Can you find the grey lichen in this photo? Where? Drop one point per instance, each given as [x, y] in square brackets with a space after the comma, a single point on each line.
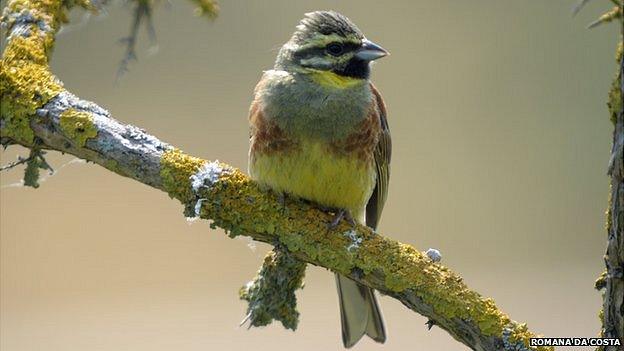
[512, 345]
[434, 255]
[207, 175]
[354, 239]
[271, 294]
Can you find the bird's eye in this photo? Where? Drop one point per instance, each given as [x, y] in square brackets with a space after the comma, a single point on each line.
[335, 49]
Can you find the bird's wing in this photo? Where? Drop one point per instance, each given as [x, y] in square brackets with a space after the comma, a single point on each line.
[383, 153]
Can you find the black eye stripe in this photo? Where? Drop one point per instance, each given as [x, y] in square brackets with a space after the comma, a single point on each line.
[321, 50]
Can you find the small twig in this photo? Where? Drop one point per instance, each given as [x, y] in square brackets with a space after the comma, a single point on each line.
[579, 6]
[143, 14]
[20, 160]
[614, 13]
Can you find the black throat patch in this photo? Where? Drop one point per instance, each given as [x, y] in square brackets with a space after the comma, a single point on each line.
[355, 68]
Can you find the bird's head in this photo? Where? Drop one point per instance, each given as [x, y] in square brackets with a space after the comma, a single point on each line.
[329, 46]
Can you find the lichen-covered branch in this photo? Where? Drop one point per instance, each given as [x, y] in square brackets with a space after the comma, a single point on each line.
[38, 112]
[612, 281]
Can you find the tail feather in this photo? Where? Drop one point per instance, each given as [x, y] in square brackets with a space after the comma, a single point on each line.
[375, 328]
[359, 312]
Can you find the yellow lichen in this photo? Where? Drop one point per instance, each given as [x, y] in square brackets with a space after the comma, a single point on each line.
[176, 168]
[78, 126]
[614, 101]
[601, 281]
[24, 88]
[26, 48]
[25, 81]
[520, 334]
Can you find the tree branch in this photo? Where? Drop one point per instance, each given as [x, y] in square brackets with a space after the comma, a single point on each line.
[271, 295]
[37, 110]
[613, 278]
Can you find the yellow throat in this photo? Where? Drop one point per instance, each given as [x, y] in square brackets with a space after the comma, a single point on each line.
[333, 80]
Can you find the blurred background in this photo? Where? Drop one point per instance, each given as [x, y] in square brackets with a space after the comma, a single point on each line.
[501, 141]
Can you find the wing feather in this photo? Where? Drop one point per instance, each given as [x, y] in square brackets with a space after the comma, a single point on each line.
[383, 153]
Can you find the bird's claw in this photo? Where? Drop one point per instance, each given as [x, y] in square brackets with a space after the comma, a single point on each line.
[340, 214]
[281, 199]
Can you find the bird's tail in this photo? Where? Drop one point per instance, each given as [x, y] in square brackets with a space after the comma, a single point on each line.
[359, 312]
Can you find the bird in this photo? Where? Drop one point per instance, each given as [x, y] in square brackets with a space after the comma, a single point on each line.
[319, 132]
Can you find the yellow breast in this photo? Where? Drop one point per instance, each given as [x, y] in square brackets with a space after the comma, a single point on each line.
[315, 173]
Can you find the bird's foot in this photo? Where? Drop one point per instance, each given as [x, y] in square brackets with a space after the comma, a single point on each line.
[281, 200]
[340, 215]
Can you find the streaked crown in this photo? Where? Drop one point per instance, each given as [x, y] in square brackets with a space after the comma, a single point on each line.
[325, 23]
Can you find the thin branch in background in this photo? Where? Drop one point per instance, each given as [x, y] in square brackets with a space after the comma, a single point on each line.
[20, 160]
[34, 162]
[142, 12]
[579, 6]
[46, 177]
[614, 13]
[149, 23]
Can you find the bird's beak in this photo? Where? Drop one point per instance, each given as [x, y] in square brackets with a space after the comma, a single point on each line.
[370, 51]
